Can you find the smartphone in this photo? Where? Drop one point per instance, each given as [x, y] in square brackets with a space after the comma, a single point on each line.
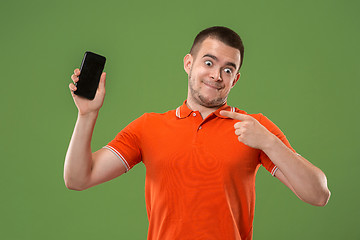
[91, 69]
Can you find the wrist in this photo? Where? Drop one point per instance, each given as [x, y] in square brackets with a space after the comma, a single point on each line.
[270, 143]
[92, 114]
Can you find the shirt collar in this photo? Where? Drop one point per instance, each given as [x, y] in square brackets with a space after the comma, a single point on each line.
[184, 111]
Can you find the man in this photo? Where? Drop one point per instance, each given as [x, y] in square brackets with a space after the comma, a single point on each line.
[201, 159]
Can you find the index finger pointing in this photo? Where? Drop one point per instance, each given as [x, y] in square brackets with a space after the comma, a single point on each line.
[233, 115]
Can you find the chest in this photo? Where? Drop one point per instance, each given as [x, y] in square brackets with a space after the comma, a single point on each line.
[197, 147]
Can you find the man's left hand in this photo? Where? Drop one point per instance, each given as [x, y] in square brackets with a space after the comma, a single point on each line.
[249, 130]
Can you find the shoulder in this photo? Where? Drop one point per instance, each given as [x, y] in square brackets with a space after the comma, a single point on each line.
[148, 121]
[153, 117]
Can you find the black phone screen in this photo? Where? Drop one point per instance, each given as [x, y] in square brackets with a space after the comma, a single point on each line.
[91, 69]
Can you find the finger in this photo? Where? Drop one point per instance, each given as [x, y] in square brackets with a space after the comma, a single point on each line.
[74, 78]
[238, 132]
[72, 87]
[77, 72]
[238, 125]
[234, 115]
[102, 81]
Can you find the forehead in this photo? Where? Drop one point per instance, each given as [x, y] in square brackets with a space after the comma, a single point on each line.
[220, 50]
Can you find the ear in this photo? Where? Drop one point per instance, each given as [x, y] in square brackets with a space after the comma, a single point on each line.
[237, 76]
[188, 60]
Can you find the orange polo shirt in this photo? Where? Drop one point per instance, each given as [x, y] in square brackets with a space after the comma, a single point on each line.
[200, 180]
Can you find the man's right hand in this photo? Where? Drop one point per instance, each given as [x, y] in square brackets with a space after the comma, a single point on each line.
[82, 168]
[86, 106]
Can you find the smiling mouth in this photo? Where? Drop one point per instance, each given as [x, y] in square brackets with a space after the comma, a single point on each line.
[214, 86]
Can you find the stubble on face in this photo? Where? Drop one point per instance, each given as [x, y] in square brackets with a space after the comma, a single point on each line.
[202, 100]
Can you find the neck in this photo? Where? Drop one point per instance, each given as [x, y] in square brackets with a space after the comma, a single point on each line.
[204, 111]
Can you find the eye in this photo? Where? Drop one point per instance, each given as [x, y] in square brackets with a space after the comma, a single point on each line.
[228, 70]
[208, 62]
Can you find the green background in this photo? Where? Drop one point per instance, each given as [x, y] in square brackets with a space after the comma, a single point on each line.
[301, 69]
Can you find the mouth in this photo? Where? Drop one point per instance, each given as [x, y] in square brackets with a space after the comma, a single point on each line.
[212, 85]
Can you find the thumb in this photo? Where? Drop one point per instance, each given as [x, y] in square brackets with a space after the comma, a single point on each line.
[102, 81]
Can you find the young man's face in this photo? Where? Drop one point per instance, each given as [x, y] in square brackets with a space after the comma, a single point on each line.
[212, 72]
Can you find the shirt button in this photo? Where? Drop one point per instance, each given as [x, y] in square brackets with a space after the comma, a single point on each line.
[194, 114]
[200, 127]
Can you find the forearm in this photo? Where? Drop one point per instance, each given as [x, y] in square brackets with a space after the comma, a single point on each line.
[78, 160]
[308, 181]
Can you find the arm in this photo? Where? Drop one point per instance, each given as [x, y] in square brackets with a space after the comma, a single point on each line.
[84, 169]
[304, 179]
[308, 182]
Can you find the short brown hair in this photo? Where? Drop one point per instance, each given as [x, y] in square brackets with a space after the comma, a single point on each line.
[223, 34]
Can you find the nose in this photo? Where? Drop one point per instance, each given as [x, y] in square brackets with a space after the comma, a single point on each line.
[216, 74]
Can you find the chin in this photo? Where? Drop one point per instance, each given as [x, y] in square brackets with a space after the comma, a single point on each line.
[211, 102]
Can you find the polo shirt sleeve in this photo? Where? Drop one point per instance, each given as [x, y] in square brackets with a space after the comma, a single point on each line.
[264, 159]
[127, 144]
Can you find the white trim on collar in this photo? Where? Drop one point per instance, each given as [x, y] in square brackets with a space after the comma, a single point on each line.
[177, 113]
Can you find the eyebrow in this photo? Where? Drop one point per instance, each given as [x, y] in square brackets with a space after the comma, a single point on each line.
[216, 59]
